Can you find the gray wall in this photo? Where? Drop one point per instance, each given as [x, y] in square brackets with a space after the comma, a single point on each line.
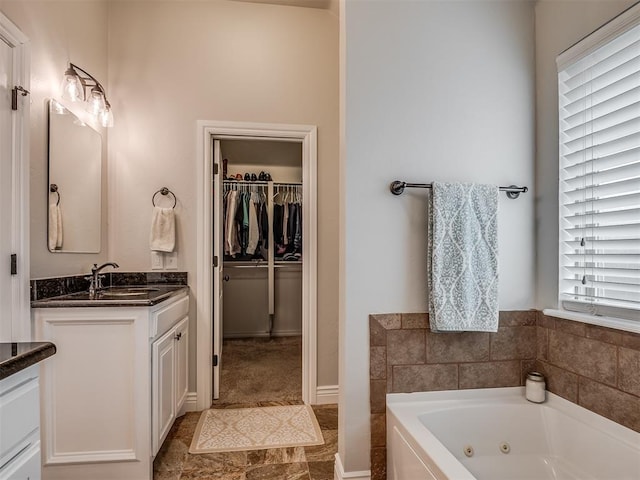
[433, 91]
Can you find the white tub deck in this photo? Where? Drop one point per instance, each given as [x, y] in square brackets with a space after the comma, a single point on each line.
[511, 438]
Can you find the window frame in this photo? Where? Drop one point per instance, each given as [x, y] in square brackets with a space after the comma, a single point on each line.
[629, 319]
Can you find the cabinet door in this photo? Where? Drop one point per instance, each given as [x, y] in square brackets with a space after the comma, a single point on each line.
[25, 466]
[163, 412]
[182, 361]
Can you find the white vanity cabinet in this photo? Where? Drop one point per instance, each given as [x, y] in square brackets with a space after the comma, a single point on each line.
[19, 426]
[110, 394]
[169, 357]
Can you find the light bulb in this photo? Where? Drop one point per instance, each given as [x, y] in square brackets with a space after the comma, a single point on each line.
[72, 89]
[96, 102]
[106, 117]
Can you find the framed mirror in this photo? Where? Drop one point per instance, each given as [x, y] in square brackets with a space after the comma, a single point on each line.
[75, 183]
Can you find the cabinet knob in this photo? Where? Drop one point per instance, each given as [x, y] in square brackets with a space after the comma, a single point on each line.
[178, 336]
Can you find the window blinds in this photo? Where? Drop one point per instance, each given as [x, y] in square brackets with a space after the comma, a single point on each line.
[599, 108]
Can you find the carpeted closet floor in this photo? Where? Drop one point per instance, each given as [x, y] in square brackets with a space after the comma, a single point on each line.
[255, 372]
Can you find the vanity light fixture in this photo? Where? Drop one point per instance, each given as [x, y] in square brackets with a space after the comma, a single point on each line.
[75, 85]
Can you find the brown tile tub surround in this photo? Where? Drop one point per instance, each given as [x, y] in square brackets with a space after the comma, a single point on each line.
[598, 368]
[406, 357]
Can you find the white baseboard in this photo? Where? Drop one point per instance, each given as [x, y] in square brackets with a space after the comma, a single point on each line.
[190, 403]
[327, 394]
[340, 474]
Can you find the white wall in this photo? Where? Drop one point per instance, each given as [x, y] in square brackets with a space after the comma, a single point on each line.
[434, 90]
[559, 24]
[170, 64]
[59, 32]
[173, 63]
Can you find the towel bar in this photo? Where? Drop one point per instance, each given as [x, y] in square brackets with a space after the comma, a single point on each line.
[397, 188]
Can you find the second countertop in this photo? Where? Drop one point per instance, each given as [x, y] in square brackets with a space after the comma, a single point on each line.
[16, 356]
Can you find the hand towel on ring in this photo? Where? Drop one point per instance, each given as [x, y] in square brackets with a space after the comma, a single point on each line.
[163, 230]
[55, 227]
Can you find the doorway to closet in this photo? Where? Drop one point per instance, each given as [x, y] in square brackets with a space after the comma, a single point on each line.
[257, 263]
[262, 271]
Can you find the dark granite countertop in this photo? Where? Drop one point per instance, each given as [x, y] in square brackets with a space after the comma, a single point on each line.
[15, 357]
[120, 296]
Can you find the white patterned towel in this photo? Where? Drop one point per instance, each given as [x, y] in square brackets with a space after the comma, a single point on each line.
[463, 257]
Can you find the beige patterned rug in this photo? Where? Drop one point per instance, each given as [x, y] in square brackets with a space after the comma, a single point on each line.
[234, 429]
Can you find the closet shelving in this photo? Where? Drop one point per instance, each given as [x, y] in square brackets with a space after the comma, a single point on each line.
[274, 193]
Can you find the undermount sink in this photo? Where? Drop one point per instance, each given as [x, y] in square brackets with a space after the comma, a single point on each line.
[119, 294]
[126, 292]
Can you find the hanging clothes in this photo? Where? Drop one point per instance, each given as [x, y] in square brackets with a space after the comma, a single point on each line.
[285, 225]
[291, 224]
[297, 232]
[287, 222]
[278, 215]
[244, 240]
[264, 225]
[245, 221]
[231, 244]
[253, 230]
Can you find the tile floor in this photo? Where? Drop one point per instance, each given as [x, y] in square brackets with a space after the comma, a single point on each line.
[174, 462]
[261, 369]
[271, 375]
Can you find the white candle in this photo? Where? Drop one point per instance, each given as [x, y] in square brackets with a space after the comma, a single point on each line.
[535, 387]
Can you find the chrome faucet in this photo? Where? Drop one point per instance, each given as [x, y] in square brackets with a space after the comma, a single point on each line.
[96, 279]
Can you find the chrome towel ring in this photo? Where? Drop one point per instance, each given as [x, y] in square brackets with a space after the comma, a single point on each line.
[164, 191]
[53, 188]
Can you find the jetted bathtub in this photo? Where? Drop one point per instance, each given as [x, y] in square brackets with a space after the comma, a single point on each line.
[496, 434]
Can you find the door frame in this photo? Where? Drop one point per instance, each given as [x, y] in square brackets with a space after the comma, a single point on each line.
[20, 327]
[207, 131]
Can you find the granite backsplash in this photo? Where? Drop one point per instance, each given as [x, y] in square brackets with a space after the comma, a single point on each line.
[56, 286]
